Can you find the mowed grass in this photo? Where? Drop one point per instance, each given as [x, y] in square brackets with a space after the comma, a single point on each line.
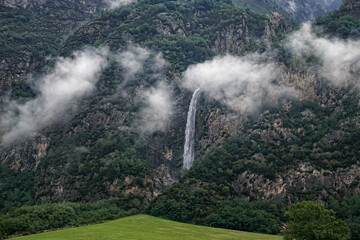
[147, 227]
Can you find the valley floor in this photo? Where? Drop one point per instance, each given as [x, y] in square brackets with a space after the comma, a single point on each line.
[147, 227]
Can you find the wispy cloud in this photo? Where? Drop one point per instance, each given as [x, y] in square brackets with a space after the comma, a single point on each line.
[339, 59]
[118, 3]
[143, 65]
[136, 60]
[71, 79]
[242, 83]
[155, 116]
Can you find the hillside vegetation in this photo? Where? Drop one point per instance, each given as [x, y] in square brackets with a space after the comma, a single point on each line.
[93, 162]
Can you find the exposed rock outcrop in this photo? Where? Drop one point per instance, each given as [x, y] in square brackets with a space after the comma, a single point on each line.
[302, 179]
[84, 6]
[25, 156]
[305, 10]
[352, 7]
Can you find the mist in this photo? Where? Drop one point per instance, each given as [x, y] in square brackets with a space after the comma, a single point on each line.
[136, 60]
[132, 60]
[242, 83]
[70, 79]
[155, 116]
[146, 68]
[339, 59]
[112, 4]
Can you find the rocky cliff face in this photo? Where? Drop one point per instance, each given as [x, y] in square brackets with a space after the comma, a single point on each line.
[86, 6]
[352, 7]
[145, 188]
[50, 22]
[27, 155]
[309, 9]
[299, 181]
[235, 38]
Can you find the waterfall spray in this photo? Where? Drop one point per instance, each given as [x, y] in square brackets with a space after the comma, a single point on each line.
[189, 147]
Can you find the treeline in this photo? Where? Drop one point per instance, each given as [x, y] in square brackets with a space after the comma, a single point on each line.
[33, 219]
[340, 23]
[203, 206]
[16, 189]
[198, 206]
[349, 210]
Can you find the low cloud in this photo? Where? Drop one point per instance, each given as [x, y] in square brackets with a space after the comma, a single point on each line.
[132, 60]
[112, 4]
[71, 79]
[137, 60]
[155, 116]
[147, 67]
[339, 59]
[75, 77]
[242, 83]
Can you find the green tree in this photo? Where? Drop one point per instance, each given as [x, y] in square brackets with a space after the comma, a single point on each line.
[310, 221]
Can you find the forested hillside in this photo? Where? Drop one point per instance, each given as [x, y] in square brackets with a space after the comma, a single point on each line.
[301, 10]
[94, 108]
[97, 152]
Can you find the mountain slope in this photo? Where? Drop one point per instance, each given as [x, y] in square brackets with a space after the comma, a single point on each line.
[96, 151]
[262, 142]
[343, 23]
[307, 10]
[35, 29]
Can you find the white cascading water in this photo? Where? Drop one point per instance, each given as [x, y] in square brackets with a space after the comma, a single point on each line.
[189, 148]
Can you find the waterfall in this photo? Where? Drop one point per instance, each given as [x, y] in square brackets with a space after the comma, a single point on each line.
[189, 147]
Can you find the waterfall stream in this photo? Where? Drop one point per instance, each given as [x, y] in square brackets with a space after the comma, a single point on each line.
[189, 147]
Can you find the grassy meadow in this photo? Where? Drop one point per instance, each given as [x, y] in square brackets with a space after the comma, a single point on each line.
[146, 227]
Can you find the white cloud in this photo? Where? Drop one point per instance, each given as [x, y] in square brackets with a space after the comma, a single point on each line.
[340, 59]
[118, 3]
[136, 60]
[242, 83]
[132, 60]
[158, 109]
[142, 64]
[71, 79]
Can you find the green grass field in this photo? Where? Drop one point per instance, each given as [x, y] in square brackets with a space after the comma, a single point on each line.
[147, 227]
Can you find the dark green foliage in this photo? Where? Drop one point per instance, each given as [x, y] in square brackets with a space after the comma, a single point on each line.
[261, 6]
[265, 7]
[309, 221]
[16, 189]
[201, 205]
[181, 51]
[26, 220]
[21, 90]
[348, 209]
[92, 160]
[225, 163]
[340, 23]
[256, 216]
[26, 34]
[217, 174]
[184, 31]
[237, 154]
[343, 26]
